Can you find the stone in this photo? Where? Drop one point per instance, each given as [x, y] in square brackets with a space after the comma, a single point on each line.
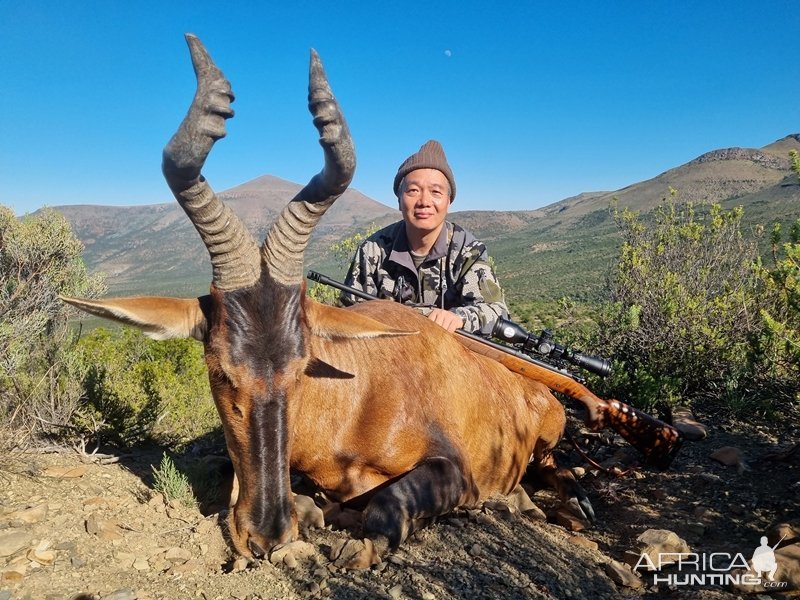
[298, 549]
[656, 543]
[13, 542]
[483, 519]
[65, 472]
[622, 575]
[395, 591]
[240, 564]
[788, 560]
[475, 550]
[579, 540]
[104, 529]
[13, 575]
[177, 555]
[684, 421]
[33, 514]
[308, 513]
[396, 560]
[570, 521]
[290, 561]
[783, 531]
[43, 557]
[141, 564]
[354, 554]
[77, 562]
[731, 457]
[125, 559]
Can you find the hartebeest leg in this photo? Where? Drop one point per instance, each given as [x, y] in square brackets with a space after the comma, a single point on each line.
[434, 487]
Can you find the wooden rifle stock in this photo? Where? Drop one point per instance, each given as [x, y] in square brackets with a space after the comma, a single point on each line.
[659, 442]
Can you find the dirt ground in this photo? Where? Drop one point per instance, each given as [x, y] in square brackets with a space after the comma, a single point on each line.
[71, 527]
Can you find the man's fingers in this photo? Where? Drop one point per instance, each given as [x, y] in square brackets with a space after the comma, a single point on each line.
[450, 321]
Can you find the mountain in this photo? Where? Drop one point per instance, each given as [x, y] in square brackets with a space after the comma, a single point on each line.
[564, 249]
[567, 248]
[155, 249]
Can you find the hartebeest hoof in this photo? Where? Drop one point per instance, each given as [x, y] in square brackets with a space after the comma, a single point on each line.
[582, 509]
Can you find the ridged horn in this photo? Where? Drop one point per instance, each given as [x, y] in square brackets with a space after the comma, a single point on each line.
[286, 241]
[234, 253]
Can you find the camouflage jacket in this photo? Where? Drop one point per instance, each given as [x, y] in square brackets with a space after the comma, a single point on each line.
[455, 276]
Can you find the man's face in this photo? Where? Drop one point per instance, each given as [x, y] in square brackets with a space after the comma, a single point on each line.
[424, 199]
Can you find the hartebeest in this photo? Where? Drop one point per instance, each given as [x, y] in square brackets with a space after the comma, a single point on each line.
[372, 402]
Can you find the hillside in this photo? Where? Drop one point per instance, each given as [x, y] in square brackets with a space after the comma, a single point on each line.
[567, 248]
[155, 249]
[562, 249]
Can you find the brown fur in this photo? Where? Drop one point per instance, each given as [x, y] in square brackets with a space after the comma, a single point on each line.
[414, 397]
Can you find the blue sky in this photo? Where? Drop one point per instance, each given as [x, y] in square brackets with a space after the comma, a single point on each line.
[533, 101]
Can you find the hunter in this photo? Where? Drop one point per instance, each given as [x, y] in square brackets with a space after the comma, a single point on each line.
[425, 260]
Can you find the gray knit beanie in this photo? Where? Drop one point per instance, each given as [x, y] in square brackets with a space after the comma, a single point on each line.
[430, 156]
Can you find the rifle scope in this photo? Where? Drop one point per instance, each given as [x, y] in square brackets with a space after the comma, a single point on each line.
[543, 344]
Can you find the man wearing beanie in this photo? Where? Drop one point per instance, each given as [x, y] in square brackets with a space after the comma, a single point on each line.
[425, 259]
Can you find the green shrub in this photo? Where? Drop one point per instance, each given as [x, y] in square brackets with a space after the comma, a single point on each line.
[685, 305]
[172, 484]
[778, 348]
[343, 253]
[40, 258]
[138, 389]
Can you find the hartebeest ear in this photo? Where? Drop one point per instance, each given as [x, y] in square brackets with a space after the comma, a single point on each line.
[159, 318]
[335, 323]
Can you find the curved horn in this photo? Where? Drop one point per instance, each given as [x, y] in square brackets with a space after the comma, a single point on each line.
[286, 241]
[234, 254]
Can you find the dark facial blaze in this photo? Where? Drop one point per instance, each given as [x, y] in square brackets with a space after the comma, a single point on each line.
[255, 347]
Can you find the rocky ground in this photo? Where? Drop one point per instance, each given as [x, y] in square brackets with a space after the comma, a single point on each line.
[71, 527]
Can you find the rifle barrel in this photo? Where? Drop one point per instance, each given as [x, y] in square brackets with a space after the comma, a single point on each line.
[325, 280]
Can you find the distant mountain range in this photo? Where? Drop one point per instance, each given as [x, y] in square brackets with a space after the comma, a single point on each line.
[562, 249]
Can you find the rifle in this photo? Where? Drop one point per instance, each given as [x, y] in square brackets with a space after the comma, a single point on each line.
[659, 442]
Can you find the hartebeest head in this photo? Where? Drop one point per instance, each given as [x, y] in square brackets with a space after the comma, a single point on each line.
[256, 320]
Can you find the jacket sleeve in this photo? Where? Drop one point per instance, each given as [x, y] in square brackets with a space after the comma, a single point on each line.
[481, 300]
[362, 273]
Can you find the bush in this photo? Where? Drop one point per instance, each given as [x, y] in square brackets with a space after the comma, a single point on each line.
[778, 348]
[137, 389]
[685, 306]
[173, 484]
[40, 258]
[343, 253]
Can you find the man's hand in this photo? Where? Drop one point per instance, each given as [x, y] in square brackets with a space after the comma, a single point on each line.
[445, 318]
